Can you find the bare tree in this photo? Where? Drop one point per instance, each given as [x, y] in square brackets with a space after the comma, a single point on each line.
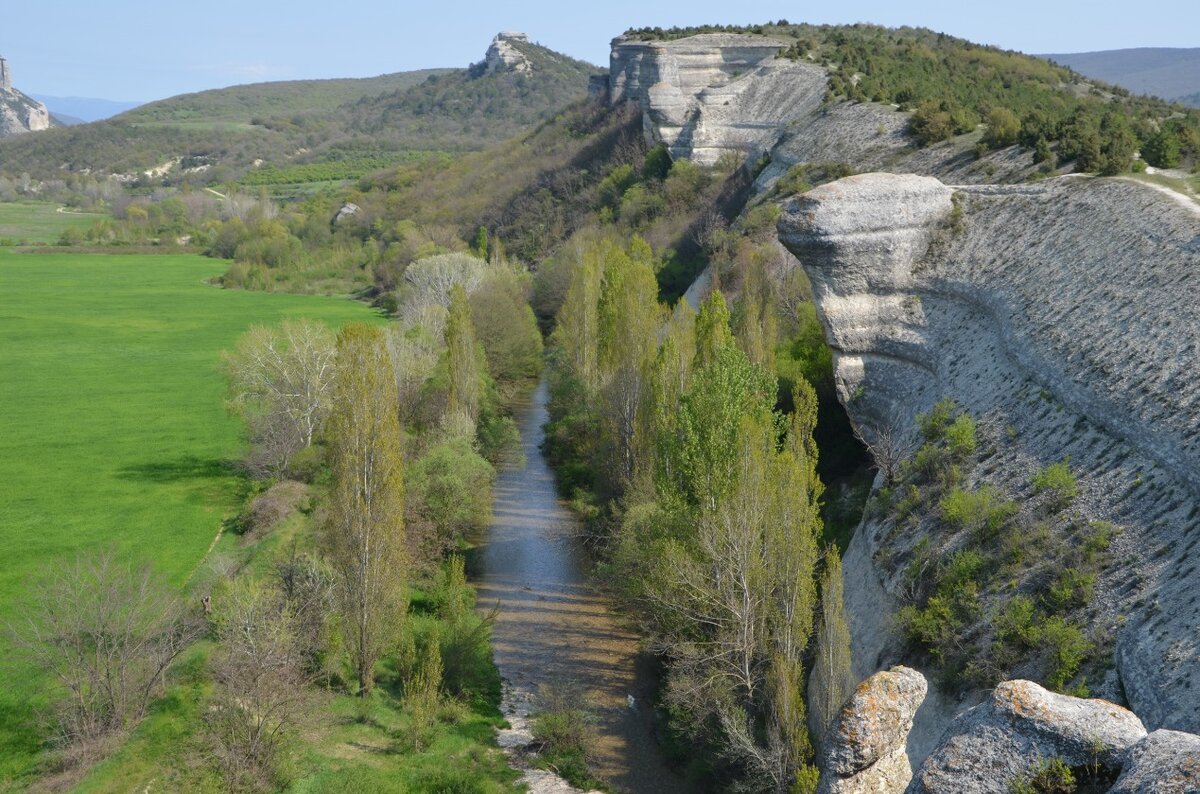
[104, 633]
[264, 683]
[281, 382]
[428, 283]
[888, 442]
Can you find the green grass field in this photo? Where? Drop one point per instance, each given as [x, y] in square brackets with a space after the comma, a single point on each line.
[113, 431]
[26, 222]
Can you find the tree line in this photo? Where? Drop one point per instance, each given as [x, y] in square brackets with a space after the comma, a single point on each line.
[382, 439]
[705, 500]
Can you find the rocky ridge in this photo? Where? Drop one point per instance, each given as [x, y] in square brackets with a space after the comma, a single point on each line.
[1058, 314]
[19, 113]
[502, 56]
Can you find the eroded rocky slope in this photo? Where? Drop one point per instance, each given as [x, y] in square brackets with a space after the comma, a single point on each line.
[1062, 316]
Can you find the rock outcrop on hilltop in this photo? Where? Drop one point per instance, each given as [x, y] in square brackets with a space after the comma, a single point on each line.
[502, 56]
[18, 112]
[714, 93]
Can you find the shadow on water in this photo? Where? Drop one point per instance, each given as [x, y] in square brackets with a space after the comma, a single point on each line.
[553, 627]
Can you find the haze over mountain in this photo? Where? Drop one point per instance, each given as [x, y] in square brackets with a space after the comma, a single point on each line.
[1167, 72]
[84, 109]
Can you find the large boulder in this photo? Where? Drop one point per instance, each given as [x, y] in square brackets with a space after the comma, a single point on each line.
[865, 752]
[998, 743]
[1165, 762]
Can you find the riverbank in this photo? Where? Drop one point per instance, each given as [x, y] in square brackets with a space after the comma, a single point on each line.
[553, 628]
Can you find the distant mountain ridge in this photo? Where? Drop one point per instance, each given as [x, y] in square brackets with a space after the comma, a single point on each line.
[83, 109]
[1169, 73]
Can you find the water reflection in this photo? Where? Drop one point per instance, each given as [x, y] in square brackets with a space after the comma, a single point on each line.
[552, 627]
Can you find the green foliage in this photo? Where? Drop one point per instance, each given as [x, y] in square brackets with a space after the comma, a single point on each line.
[960, 437]
[1003, 128]
[933, 425]
[450, 488]
[1051, 776]
[983, 511]
[1066, 649]
[1058, 481]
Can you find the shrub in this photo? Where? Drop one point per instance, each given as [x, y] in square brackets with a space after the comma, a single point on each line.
[1065, 648]
[983, 511]
[960, 437]
[1071, 589]
[933, 424]
[1058, 480]
[1051, 776]
[1017, 623]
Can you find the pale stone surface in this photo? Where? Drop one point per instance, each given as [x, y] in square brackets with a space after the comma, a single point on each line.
[1165, 762]
[1062, 316]
[502, 56]
[714, 93]
[865, 751]
[996, 744]
[18, 112]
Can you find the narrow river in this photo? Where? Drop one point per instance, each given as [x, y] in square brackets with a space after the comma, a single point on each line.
[552, 626]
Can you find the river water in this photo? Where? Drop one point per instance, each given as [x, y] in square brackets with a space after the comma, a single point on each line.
[552, 626]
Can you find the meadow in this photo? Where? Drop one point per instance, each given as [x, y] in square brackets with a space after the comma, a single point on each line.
[27, 222]
[113, 429]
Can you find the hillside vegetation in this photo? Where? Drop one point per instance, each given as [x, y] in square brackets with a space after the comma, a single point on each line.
[245, 103]
[217, 136]
[953, 85]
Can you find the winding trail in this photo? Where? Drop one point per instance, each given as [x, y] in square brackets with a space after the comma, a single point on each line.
[552, 627]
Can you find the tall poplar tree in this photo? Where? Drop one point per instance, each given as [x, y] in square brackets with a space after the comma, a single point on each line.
[364, 531]
[832, 679]
[462, 358]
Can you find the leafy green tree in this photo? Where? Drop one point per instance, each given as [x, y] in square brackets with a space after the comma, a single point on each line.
[629, 322]
[1163, 149]
[364, 531]
[480, 246]
[712, 328]
[505, 326]
[462, 358]
[832, 680]
[1003, 128]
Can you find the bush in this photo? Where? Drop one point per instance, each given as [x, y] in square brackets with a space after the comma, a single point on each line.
[983, 511]
[1051, 776]
[566, 735]
[933, 425]
[960, 437]
[1065, 648]
[1058, 480]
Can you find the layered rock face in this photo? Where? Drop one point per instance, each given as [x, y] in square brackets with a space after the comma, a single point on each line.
[1062, 316]
[714, 93]
[19, 113]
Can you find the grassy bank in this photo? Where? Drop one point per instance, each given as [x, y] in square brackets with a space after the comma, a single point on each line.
[113, 426]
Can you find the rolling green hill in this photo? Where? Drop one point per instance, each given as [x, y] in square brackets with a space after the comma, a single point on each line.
[217, 136]
[247, 103]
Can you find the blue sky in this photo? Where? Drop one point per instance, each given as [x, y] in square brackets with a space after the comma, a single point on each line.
[143, 49]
